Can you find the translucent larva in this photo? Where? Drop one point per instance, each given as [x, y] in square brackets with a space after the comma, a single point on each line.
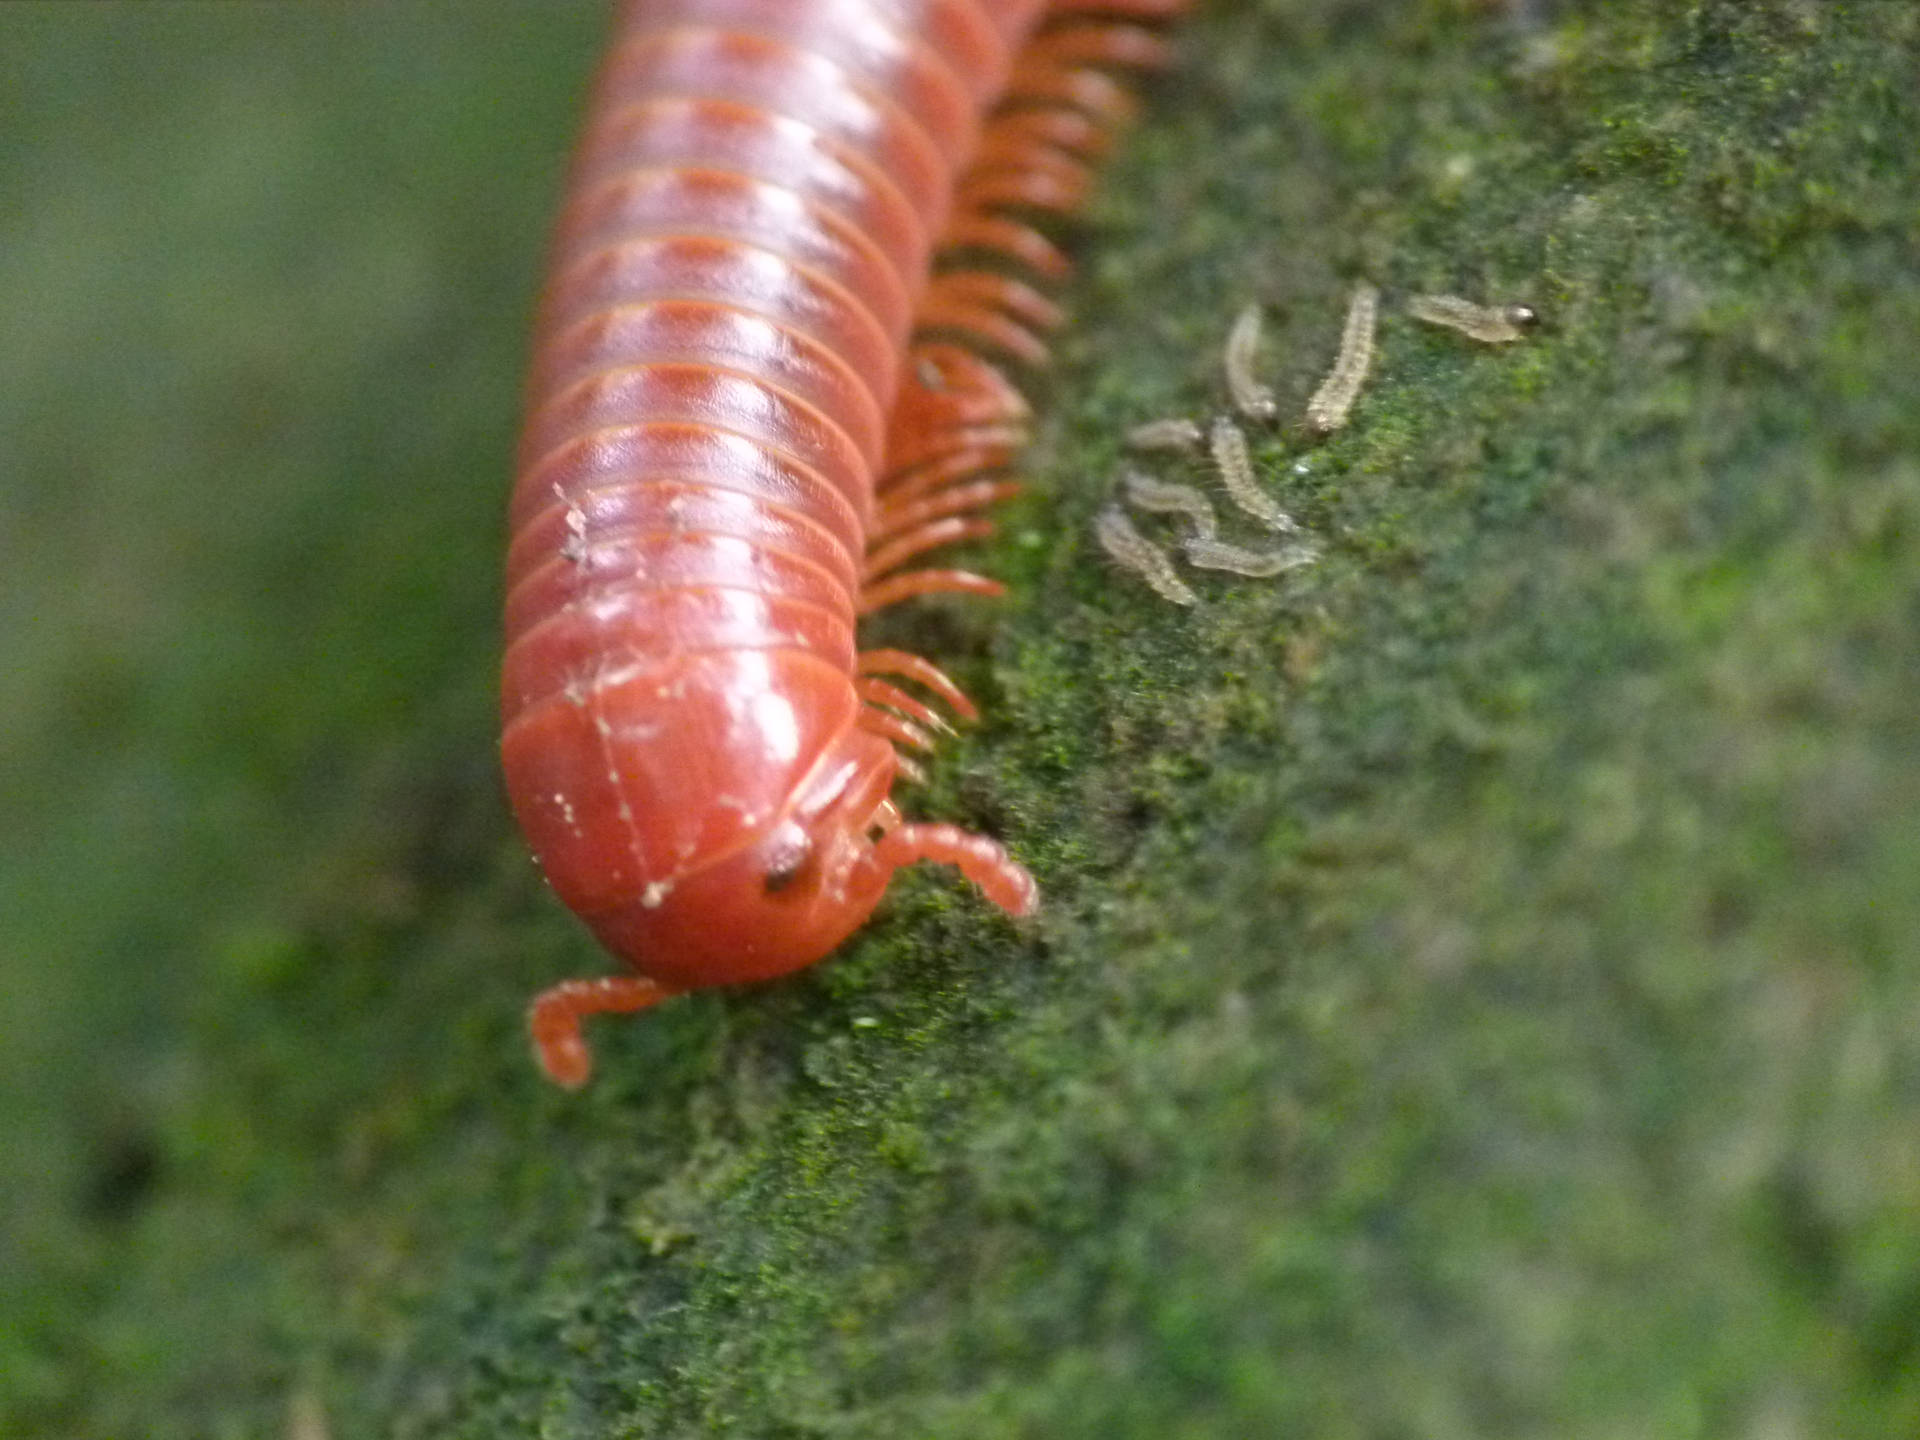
[1228, 445]
[1333, 402]
[1489, 324]
[1254, 399]
[1210, 554]
[1184, 436]
[1137, 553]
[1157, 497]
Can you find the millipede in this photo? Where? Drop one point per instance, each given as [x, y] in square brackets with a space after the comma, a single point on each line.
[801, 241]
[1489, 324]
[1132, 550]
[1177, 434]
[1227, 443]
[1252, 397]
[1204, 552]
[1332, 403]
[1157, 497]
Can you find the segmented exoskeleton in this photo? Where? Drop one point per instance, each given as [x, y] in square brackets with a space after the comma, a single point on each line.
[798, 239]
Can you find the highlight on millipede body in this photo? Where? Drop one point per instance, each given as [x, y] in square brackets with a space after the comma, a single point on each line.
[1253, 398]
[1332, 403]
[1489, 324]
[1140, 555]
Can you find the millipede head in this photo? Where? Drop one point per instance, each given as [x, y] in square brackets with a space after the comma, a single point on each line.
[781, 900]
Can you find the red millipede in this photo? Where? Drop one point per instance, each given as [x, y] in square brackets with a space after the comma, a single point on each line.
[794, 233]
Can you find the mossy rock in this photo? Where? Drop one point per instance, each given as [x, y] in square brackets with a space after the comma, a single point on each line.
[1476, 993]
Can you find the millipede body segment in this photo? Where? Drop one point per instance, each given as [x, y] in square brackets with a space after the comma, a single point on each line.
[798, 239]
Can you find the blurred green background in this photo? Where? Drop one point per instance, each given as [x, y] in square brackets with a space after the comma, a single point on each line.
[1477, 992]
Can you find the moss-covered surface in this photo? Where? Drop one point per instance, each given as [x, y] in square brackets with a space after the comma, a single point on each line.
[1477, 994]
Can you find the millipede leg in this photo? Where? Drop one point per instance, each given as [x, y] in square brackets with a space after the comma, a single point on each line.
[1001, 878]
[921, 671]
[943, 530]
[556, 1013]
[890, 520]
[952, 399]
[896, 728]
[1131, 9]
[1048, 127]
[905, 584]
[1104, 42]
[1043, 79]
[1001, 236]
[944, 308]
[1016, 170]
[972, 453]
[878, 692]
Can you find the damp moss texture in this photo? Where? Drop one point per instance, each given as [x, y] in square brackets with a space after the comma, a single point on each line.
[1477, 992]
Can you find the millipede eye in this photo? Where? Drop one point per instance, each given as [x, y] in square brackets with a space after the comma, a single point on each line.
[790, 854]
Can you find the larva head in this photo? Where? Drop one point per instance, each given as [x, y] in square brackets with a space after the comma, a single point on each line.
[710, 819]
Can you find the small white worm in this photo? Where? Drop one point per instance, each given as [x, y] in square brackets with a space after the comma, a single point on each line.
[1157, 497]
[1327, 411]
[1140, 555]
[1230, 458]
[1211, 554]
[1183, 435]
[1489, 324]
[1251, 398]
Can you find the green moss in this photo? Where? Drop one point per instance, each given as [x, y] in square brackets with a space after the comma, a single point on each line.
[1476, 991]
